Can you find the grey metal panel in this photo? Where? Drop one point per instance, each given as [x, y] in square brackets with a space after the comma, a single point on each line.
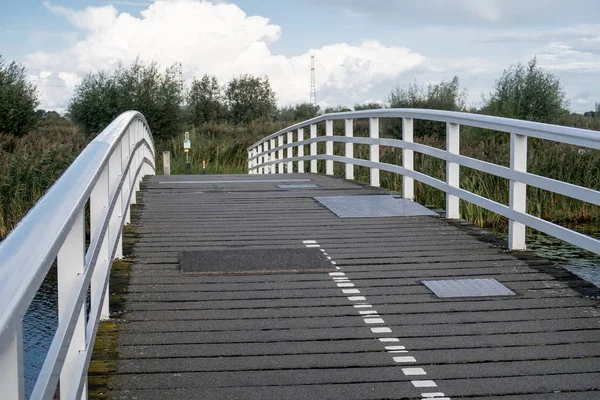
[468, 288]
[372, 206]
[305, 186]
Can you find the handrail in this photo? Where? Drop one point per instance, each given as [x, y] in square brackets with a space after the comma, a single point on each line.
[106, 174]
[267, 156]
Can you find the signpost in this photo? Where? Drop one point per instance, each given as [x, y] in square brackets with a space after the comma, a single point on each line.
[187, 145]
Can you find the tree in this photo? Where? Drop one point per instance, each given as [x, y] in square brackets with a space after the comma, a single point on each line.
[528, 93]
[336, 109]
[297, 113]
[442, 96]
[250, 98]
[101, 97]
[18, 99]
[205, 101]
[367, 106]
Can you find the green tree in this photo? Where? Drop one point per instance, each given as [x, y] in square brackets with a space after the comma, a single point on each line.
[18, 99]
[442, 96]
[336, 109]
[205, 101]
[297, 113]
[250, 98]
[528, 93]
[367, 106]
[157, 94]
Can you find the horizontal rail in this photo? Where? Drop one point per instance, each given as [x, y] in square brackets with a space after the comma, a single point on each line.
[263, 158]
[106, 175]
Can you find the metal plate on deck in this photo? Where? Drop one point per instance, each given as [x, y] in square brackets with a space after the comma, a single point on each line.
[305, 186]
[372, 206]
[468, 288]
[254, 261]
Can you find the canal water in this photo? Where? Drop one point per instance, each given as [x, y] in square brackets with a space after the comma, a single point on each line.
[40, 321]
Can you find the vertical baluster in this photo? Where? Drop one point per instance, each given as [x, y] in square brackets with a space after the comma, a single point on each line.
[280, 155]
[125, 152]
[349, 131]
[116, 219]
[70, 263]
[250, 172]
[133, 166]
[98, 207]
[290, 152]
[12, 382]
[518, 191]
[329, 146]
[313, 149]
[301, 150]
[261, 159]
[374, 150]
[452, 170]
[267, 156]
[408, 184]
[273, 157]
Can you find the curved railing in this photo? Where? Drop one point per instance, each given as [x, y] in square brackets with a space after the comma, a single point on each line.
[106, 175]
[267, 156]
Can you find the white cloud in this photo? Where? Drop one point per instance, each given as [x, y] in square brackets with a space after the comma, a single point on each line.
[219, 39]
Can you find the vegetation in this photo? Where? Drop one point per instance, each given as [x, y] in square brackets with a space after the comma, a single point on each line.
[224, 120]
[18, 99]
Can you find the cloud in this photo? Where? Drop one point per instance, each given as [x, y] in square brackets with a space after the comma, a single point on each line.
[220, 39]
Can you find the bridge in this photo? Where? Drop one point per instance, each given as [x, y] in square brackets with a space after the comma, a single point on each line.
[285, 283]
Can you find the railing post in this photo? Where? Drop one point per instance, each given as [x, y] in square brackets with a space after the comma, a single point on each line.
[452, 170]
[261, 159]
[125, 154]
[267, 158]
[98, 206]
[280, 155]
[374, 150]
[518, 191]
[70, 263]
[12, 378]
[272, 168]
[115, 169]
[250, 171]
[408, 184]
[313, 149]
[290, 152]
[349, 130]
[329, 146]
[301, 151]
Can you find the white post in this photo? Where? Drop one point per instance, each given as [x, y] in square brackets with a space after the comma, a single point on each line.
[452, 170]
[125, 153]
[301, 151]
[273, 157]
[98, 206]
[349, 129]
[290, 152]
[12, 381]
[261, 159]
[329, 146]
[313, 149]
[70, 263]
[374, 150]
[267, 157]
[166, 163]
[408, 184]
[115, 169]
[250, 171]
[280, 154]
[518, 191]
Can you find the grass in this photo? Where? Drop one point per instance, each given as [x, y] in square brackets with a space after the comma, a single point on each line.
[29, 166]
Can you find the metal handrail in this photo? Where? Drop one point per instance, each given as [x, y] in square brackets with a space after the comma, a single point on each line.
[267, 156]
[106, 174]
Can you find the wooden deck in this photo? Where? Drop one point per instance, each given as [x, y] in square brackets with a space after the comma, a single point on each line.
[299, 336]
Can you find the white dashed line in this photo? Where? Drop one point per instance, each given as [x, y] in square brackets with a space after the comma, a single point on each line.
[414, 371]
[368, 312]
[389, 339]
[405, 359]
[381, 330]
[313, 245]
[374, 321]
[357, 298]
[345, 284]
[337, 274]
[423, 383]
[350, 291]
[432, 395]
[362, 306]
[309, 241]
[394, 347]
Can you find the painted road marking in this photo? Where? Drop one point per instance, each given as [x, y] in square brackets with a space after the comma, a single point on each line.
[345, 284]
[309, 241]
[356, 298]
[423, 383]
[414, 371]
[389, 339]
[394, 347]
[350, 291]
[405, 359]
[381, 330]
[362, 306]
[432, 395]
[337, 274]
[374, 321]
[368, 312]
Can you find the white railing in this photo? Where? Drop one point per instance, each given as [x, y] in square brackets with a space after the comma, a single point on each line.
[106, 174]
[266, 156]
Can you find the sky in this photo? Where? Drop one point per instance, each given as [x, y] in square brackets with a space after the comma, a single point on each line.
[362, 48]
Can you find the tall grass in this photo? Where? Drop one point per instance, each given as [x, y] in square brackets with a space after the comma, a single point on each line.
[29, 166]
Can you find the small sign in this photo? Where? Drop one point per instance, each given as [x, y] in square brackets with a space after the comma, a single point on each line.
[187, 144]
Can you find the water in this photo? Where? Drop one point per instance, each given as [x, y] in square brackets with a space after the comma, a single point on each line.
[41, 319]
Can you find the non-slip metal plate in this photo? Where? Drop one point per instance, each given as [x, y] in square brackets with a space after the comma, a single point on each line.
[372, 206]
[305, 186]
[254, 261]
[468, 288]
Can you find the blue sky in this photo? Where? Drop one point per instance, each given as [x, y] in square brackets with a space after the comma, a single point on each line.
[363, 48]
